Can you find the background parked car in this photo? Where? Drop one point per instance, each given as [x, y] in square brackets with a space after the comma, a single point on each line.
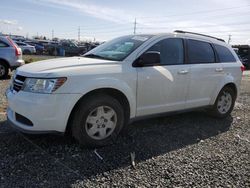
[10, 56]
[243, 51]
[70, 48]
[26, 48]
[39, 47]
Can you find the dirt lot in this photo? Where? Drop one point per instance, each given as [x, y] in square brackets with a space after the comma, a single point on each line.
[184, 150]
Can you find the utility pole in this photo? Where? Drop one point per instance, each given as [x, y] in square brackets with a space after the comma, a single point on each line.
[135, 26]
[52, 34]
[229, 39]
[79, 34]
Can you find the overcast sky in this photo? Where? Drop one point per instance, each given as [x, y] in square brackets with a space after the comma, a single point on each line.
[106, 19]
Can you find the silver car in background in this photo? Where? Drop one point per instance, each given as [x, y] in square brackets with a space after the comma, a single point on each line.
[10, 56]
[26, 48]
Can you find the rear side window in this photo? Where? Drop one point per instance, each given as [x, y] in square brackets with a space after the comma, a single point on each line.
[224, 54]
[2, 44]
[200, 52]
[171, 51]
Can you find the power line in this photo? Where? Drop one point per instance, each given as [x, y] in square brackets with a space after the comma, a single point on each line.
[195, 26]
[210, 17]
[108, 29]
[156, 20]
[98, 26]
[127, 25]
[203, 11]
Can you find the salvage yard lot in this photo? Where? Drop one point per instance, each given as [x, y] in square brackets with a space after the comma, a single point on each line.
[190, 149]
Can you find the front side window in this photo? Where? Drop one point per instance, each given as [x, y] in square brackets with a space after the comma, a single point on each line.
[224, 54]
[118, 49]
[200, 52]
[171, 51]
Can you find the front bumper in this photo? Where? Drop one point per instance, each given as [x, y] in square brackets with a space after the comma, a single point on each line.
[47, 112]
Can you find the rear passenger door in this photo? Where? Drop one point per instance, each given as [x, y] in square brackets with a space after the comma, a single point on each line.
[206, 73]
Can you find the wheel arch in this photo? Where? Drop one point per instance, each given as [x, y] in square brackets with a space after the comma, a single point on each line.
[117, 94]
[5, 61]
[231, 85]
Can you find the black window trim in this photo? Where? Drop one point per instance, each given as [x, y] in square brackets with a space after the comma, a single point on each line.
[216, 60]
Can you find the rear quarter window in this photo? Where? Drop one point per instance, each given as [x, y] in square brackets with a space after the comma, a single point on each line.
[224, 54]
[200, 52]
[3, 44]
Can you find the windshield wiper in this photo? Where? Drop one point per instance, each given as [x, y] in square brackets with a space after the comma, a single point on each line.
[94, 56]
[98, 57]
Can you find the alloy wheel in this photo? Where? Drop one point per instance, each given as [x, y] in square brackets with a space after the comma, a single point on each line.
[101, 122]
[224, 102]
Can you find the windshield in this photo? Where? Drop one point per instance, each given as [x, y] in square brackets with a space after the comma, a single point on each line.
[118, 49]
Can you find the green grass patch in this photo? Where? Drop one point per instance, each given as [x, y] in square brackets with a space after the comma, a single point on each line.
[34, 58]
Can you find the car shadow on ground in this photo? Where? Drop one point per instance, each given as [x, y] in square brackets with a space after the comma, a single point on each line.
[7, 78]
[148, 139]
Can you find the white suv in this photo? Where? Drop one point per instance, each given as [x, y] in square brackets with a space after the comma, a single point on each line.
[130, 77]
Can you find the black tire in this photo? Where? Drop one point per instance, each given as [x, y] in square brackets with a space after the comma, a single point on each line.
[4, 67]
[215, 111]
[82, 111]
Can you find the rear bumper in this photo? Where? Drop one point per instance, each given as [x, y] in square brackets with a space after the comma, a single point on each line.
[17, 64]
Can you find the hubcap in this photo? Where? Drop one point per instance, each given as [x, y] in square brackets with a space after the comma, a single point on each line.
[101, 122]
[224, 103]
[2, 70]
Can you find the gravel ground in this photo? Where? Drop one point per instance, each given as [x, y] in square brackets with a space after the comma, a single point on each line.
[187, 150]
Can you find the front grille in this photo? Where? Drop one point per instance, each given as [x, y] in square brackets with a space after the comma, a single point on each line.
[18, 83]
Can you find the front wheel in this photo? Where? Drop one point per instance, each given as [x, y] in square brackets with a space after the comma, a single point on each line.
[97, 121]
[224, 103]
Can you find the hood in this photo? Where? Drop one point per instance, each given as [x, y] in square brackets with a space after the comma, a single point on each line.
[52, 65]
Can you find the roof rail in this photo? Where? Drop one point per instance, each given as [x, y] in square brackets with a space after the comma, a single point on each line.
[180, 31]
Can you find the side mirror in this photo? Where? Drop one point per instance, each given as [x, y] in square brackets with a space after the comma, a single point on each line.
[149, 58]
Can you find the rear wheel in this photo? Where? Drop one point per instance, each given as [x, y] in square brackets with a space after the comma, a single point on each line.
[4, 70]
[224, 103]
[97, 121]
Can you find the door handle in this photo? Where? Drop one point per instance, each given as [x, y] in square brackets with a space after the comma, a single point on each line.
[219, 69]
[183, 72]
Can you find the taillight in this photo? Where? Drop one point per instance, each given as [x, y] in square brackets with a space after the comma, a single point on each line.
[242, 68]
[17, 50]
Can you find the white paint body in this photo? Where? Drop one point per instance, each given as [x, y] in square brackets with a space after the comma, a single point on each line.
[149, 90]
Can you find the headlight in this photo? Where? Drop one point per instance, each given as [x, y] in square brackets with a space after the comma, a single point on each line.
[37, 85]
